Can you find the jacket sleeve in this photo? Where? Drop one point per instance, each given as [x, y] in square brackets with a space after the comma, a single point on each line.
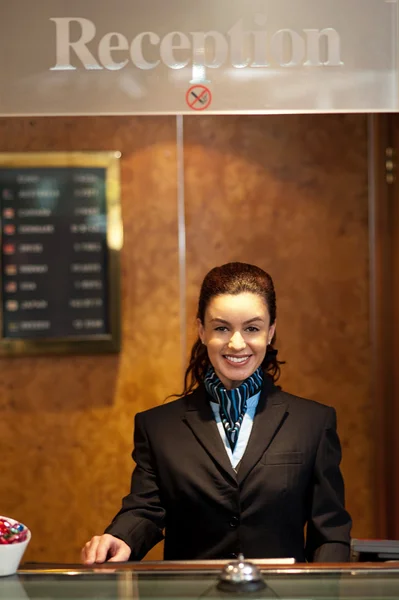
[329, 524]
[140, 521]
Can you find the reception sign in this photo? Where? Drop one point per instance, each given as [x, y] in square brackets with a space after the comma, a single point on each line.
[60, 240]
[85, 57]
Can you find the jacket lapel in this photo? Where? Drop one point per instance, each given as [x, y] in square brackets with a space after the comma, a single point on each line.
[200, 418]
[269, 416]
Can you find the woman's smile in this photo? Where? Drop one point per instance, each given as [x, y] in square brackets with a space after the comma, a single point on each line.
[237, 360]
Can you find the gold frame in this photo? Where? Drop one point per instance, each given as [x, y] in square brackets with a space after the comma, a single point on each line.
[85, 344]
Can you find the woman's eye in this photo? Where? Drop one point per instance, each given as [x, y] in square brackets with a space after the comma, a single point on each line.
[221, 328]
[252, 329]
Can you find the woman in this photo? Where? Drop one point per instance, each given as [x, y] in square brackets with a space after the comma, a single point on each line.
[236, 464]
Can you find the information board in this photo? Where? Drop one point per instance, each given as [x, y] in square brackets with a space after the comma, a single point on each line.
[59, 276]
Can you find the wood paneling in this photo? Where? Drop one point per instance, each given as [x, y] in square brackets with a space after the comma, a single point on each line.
[66, 422]
[289, 193]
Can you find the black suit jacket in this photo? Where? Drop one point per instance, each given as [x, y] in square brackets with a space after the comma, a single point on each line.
[184, 484]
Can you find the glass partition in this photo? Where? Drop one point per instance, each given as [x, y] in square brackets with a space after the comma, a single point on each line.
[196, 56]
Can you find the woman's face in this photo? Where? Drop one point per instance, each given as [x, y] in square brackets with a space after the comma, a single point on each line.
[236, 333]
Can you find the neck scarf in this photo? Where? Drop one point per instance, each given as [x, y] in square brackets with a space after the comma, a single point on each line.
[233, 403]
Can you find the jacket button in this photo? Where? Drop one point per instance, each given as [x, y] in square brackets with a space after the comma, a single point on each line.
[234, 522]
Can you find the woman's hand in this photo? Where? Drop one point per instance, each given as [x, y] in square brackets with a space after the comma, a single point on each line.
[103, 548]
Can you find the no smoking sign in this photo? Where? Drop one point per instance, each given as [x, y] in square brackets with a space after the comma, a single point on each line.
[198, 97]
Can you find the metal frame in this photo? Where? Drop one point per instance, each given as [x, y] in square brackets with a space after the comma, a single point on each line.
[84, 344]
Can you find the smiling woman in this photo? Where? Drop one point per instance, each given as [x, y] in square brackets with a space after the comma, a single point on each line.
[236, 324]
[236, 320]
[235, 339]
[235, 465]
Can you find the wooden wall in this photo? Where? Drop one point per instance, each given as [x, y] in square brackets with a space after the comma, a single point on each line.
[287, 193]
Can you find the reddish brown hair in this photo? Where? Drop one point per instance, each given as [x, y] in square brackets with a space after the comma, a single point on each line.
[232, 278]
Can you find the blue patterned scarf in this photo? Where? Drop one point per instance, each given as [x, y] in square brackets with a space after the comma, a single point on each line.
[233, 403]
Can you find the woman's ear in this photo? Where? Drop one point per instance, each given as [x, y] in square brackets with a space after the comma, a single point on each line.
[201, 331]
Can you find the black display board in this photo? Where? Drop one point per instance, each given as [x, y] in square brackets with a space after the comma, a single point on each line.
[55, 256]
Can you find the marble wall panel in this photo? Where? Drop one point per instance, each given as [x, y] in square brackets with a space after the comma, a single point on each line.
[288, 193]
[66, 422]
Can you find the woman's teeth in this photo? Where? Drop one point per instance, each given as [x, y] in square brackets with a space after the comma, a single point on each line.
[237, 359]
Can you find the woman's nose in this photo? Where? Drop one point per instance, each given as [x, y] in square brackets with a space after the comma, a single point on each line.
[237, 342]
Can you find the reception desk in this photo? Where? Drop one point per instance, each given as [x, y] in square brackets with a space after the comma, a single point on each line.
[198, 579]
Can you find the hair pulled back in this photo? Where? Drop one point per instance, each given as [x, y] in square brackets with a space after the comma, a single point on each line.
[232, 278]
